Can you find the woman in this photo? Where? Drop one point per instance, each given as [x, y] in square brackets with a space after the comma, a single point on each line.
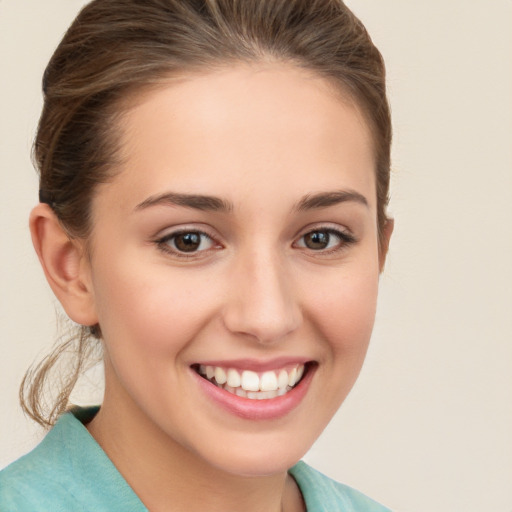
[214, 180]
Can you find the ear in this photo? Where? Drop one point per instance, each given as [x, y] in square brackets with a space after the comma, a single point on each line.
[65, 265]
[386, 237]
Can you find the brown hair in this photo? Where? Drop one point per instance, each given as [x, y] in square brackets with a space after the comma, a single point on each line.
[116, 47]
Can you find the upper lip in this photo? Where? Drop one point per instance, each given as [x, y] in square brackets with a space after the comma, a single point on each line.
[256, 365]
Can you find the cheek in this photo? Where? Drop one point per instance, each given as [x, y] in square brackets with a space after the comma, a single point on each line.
[149, 312]
[148, 319]
[343, 308]
[345, 314]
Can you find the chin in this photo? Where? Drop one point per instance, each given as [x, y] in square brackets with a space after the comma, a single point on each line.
[258, 463]
[258, 454]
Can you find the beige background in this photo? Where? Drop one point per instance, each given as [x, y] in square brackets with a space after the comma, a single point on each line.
[428, 427]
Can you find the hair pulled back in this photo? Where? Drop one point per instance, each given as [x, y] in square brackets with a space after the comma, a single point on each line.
[116, 47]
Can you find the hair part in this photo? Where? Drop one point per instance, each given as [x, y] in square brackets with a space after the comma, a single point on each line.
[115, 48]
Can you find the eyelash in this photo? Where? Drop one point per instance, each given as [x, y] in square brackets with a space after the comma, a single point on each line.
[345, 239]
[163, 243]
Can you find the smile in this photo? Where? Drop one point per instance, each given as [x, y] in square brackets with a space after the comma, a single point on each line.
[253, 385]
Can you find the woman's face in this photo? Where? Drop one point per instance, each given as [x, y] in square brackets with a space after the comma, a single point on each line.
[238, 242]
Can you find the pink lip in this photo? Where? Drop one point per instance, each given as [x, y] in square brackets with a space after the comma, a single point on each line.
[247, 408]
[255, 365]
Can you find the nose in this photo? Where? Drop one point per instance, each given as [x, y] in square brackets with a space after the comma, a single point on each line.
[263, 302]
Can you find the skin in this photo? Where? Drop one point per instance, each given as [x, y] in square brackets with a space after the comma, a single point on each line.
[261, 138]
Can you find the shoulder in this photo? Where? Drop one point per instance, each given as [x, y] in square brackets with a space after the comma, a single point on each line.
[67, 471]
[322, 494]
[38, 480]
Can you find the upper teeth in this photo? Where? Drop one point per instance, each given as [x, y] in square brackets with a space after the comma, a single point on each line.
[252, 381]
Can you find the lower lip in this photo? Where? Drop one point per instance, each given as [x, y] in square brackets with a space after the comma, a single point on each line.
[268, 409]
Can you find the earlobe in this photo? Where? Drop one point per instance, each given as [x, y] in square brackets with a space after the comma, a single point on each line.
[65, 265]
[385, 239]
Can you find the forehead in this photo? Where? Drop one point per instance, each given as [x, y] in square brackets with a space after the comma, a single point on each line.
[242, 129]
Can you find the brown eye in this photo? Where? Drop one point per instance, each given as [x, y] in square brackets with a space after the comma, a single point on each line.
[186, 242]
[317, 240]
[327, 240]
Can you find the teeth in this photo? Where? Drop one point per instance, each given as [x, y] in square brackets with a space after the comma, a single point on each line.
[249, 384]
[250, 381]
[292, 377]
[261, 395]
[241, 392]
[282, 380]
[268, 381]
[233, 378]
[220, 375]
[281, 392]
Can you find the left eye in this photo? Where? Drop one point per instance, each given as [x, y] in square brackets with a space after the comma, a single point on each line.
[323, 239]
[187, 242]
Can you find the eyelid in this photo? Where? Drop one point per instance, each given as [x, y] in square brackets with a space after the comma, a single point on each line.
[164, 236]
[325, 226]
[345, 235]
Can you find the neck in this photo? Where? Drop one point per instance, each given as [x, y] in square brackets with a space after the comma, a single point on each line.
[167, 476]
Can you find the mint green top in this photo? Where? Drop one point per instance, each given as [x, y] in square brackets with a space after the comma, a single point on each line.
[69, 471]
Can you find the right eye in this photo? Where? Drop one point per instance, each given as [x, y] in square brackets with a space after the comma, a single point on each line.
[183, 243]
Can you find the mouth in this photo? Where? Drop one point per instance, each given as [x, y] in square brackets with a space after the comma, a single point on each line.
[251, 384]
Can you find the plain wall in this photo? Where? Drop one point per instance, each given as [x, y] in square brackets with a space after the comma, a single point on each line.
[428, 427]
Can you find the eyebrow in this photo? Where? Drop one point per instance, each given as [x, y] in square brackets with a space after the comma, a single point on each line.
[216, 204]
[326, 199]
[195, 201]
